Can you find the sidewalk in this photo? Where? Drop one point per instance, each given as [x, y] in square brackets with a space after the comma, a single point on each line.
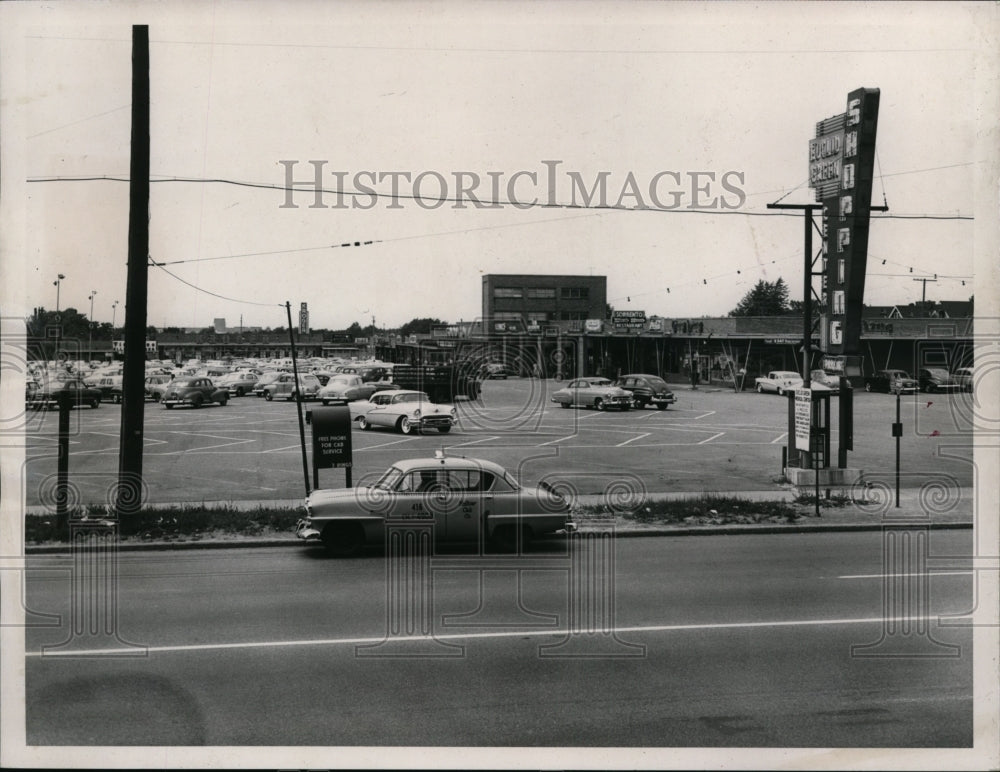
[871, 516]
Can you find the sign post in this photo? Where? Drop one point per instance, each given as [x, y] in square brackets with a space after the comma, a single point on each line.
[803, 419]
[331, 440]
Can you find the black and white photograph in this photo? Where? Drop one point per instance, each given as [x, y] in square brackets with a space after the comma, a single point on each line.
[509, 385]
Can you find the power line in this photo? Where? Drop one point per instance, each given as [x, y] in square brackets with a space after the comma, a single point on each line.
[209, 292]
[492, 203]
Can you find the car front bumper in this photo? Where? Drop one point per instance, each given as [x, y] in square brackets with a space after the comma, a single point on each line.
[436, 422]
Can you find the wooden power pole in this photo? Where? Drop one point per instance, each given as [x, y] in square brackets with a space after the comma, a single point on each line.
[133, 375]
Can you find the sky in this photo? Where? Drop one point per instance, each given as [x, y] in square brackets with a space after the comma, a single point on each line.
[673, 96]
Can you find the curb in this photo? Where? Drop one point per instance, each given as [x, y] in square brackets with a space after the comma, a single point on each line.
[723, 530]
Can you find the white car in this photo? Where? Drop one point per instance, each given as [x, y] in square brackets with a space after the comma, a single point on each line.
[462, 499]
[405, 411]
[778, 382]
[284, 386]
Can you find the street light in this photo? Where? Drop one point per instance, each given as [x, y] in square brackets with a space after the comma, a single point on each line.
[90, 325]
[114, 310]
[58, 285]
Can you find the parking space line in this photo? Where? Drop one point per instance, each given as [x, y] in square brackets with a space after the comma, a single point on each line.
[473, 442]
[713, 437]
[620, 444]
[779, 438]
[383, 445]
[552, 442]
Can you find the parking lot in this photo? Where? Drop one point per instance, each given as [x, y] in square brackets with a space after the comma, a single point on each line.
[709, 440]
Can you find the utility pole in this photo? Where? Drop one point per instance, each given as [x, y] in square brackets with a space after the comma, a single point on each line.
[133, 398]
[58, 285]
[923, 294]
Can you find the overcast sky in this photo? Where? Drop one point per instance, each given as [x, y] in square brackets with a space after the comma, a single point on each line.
[733, 91]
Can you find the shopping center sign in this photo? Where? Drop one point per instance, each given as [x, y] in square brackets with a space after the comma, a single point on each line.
[841, 169]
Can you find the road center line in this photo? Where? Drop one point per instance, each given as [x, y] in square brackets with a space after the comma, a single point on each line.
[533, 633]
[900, 576]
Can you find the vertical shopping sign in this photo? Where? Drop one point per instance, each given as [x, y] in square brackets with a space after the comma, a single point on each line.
[841, 171]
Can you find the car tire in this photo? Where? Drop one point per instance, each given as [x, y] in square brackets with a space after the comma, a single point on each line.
[760, 389]
[931, 388]
[661, 407]
[444, 429]
[781, 392]
[268, 396]
[196, 401]
[404, 425]
[598, 404]
[94, 404]
[564, 405]
[239, 391]
[343, 540]
[868, 387]
[169, 407]
[156, 397]
[363, 423]
[326, 402]
[223, 401]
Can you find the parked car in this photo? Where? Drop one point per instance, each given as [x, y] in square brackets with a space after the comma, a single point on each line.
[778, 382]
[193, 391]
[71, 387]
[406, 411]
[466, 499]
[156, 385]
[238, 383]
[494, 370]
[323, 376]
[892, 381]
[932, 379]
[647, 390]
[264, 379]
[963, 376]
[111, 388]
[284, 386]
[598, 393]
[821, 379]
[349, 388]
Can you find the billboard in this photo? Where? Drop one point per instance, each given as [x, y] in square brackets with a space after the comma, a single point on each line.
[841, 170]
[628, 320]
[303, 318]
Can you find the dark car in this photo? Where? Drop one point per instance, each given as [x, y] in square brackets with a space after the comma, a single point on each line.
[933, 379]
[69, 387]
[373, 373]
[647, 390]
[892, 381]
[194, 391]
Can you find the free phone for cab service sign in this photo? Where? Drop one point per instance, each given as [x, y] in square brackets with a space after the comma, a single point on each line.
[331, 437]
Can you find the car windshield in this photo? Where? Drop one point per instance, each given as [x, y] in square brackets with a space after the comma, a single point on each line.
[598, 382]
[334, 382]
[414, 396]
[389, 480]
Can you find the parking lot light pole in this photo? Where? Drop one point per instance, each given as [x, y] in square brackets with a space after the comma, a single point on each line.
[298, 397]
[90, 325]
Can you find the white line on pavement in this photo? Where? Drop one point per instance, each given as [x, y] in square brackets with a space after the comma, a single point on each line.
[620, 444]
[473, 442]
[713, 437]
[898, 576]
[779, 438]
[532, 633]
[553, 442]
[385, 444]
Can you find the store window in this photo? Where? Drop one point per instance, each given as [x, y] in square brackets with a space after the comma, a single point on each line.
[572, 293]
[508, 292]
[541, 293]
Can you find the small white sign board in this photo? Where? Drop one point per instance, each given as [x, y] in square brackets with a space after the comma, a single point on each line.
[803, 417]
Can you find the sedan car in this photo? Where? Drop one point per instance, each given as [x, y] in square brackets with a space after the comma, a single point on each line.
[932, 379]
[68, 387]
[111, 388]
[194, 391]
[821, 379]
[778, 382]
[238, 383]
[156, 386]
[647, 390]
[461, 499]
[963, 376]
[405, 411]
[349, 388]
[598, 393]
[892, 381]
[284, 386]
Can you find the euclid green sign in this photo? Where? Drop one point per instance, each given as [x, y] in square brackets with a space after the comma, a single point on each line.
[331, 437]
[841, 168]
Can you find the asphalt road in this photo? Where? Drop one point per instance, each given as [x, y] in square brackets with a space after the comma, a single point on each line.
[719, 642]
[710, 440]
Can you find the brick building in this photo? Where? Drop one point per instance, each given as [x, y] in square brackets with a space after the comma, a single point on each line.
[529, 302]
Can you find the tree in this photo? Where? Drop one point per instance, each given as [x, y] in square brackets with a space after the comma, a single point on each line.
[765, 299]
[355, 330]
[420, 326]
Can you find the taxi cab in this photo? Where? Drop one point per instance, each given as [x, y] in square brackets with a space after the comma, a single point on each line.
[463, 499]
